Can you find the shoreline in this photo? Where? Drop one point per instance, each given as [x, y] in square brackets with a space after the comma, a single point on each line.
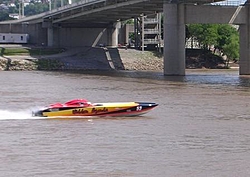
[128, 59]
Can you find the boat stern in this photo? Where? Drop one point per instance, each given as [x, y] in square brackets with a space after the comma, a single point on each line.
[37, 113]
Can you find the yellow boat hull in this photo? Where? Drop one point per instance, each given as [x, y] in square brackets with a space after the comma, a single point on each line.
[98, 109]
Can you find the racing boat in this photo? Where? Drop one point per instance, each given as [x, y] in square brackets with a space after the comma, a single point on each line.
[82, 107]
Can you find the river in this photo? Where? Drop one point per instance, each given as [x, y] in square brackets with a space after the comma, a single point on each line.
[200, 128]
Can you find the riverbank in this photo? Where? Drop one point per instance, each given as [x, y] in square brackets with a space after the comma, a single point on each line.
[15, 63]
[129, 59]
[96, 58]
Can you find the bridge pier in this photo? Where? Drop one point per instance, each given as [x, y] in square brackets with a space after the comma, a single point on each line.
[50, 36]
[174, 39]
[244, 62]
[113, 34]
[50, 31]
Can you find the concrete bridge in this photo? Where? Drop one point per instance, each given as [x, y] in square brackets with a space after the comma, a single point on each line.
[91, 22]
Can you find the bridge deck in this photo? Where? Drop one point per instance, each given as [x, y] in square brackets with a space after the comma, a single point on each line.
[101, 12]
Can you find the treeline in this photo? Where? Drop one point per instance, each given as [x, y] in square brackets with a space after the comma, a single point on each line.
[32, 8]
[8, 7]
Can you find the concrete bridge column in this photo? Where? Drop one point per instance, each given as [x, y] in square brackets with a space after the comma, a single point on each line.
[50, 36]
[174, 39]
[244, 62]
[49, 27]
[113, 34]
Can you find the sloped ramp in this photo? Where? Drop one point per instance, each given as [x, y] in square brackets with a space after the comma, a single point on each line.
[89, 58]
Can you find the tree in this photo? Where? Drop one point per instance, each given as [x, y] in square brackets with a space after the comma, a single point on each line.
[225, 32]
[35, 8]
[3, 15]
[223, 36]
[205, 34]
[231, 48]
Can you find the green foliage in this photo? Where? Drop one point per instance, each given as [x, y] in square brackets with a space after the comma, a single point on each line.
[231, 48]
[223, 36]
[4, 15]
[15, 51]
[206, 34]
[36, 8]
[46, 64]
[1, 51]
[132, 36]
[225, 33]
[27, 51]
[33, 8]
[13, 10]
[130, 21]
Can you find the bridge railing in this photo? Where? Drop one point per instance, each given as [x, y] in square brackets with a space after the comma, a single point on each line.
[230, 3]
[74, 6]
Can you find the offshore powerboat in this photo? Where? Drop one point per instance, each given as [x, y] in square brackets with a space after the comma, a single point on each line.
[82, 107]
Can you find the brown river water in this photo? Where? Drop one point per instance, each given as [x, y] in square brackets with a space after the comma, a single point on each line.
[200, 128]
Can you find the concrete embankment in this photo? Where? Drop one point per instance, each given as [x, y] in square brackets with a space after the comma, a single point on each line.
[108, 58]
[86, 58]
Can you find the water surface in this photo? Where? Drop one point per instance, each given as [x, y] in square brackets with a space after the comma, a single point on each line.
[200, 128]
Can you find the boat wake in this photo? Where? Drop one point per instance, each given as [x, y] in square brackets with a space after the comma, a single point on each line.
[24, 115]
[16, 115]
[27, 114]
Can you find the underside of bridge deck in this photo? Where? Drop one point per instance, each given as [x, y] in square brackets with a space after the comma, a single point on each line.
[102, 12]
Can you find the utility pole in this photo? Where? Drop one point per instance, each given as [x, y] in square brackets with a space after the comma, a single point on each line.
[21, 8]
[55, 5]
[50, 5]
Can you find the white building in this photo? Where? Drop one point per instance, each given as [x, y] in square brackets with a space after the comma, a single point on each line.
[15, 16]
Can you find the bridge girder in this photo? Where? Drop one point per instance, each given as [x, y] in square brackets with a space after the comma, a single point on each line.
[102, 12]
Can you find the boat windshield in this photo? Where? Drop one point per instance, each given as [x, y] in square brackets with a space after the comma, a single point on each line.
[77, 102]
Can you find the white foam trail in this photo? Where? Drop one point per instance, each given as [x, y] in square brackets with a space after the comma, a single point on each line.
[16, 115]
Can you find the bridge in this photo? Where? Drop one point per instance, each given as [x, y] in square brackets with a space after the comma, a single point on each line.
[100, 13]
[90, 22]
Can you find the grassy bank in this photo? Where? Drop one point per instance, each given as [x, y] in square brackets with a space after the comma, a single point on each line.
[29, 51]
